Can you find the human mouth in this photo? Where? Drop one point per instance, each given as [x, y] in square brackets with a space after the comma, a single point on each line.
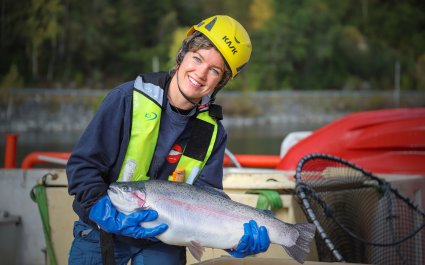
[194, 82]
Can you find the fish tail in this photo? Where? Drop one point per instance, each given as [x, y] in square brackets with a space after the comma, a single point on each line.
[301, 248]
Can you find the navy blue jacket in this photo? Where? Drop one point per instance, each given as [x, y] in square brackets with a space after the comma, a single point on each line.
[96, 159]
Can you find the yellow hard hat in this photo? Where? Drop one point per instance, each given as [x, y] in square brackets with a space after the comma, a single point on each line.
[229, 37]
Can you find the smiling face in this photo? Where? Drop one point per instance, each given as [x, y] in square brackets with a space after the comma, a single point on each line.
[198, 74]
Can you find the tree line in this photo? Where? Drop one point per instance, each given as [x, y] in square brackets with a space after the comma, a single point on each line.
[297, 45]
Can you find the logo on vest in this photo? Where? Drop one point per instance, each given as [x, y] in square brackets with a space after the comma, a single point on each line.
[175, 154]
[151, 116]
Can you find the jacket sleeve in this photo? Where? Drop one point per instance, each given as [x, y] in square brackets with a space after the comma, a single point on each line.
[212, 173]
[93, 157]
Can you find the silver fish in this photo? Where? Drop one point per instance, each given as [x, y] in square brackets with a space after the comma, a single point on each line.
[203, 217]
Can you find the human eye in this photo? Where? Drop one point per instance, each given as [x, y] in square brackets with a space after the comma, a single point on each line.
[215, 71]
[196, 59]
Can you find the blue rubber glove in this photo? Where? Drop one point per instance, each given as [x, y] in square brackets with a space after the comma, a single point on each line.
[255, 240]
[109, 219]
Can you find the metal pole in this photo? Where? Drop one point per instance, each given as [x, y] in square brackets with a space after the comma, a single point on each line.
[397, 84]
[10, 151]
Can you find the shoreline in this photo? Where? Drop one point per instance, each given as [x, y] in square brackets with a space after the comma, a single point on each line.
[70, 110]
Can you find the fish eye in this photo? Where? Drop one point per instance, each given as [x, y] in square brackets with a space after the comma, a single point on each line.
[125, 188]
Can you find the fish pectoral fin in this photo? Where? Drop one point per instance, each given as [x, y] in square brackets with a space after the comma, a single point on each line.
[196, 250]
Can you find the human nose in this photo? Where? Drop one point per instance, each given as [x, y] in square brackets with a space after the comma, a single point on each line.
[202, 71]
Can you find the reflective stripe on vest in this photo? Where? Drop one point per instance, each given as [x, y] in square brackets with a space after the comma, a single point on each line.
[146, 119]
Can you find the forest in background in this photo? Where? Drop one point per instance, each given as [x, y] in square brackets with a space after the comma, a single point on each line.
[298, 45]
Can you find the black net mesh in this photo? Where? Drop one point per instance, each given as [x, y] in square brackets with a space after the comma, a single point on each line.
[360, 218]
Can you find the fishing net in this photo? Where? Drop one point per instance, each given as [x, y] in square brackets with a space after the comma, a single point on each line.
[360, 218]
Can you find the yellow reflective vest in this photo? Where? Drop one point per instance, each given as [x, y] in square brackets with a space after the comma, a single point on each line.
[146, 119]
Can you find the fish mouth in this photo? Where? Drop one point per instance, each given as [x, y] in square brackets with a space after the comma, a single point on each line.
[113, 190]
[119, 199]
[114, 195]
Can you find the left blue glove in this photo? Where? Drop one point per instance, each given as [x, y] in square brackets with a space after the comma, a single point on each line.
[109, 219]
[255, 240]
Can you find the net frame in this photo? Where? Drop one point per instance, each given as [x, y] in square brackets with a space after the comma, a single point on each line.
[318, 178]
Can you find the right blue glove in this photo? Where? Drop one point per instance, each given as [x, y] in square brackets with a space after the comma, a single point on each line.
[255, 240]
[109, 219]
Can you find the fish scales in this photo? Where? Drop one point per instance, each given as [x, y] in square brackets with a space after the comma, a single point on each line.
[204, 217]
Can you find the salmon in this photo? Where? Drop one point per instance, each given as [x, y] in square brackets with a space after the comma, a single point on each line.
[205, 217]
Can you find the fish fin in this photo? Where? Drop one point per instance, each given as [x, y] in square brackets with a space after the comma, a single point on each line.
[268, 212]
[196, 250]
[301, 248]
[215, 191]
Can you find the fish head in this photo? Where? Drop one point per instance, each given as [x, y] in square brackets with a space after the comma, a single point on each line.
[127, 197]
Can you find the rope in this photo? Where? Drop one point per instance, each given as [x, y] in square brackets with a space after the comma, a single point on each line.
[38, 195]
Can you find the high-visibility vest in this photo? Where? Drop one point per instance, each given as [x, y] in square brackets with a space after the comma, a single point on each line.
[146, 119]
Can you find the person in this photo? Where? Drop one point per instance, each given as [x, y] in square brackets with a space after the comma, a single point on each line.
[162, 125]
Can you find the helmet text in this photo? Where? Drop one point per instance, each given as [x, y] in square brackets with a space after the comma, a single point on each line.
[229, 44]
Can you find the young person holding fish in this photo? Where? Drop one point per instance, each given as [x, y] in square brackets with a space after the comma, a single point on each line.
[159, 126]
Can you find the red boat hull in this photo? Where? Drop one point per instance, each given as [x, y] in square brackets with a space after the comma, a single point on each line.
[383, 141]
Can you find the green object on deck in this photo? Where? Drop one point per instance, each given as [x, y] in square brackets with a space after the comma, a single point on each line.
[38, 195]
[267, 199]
